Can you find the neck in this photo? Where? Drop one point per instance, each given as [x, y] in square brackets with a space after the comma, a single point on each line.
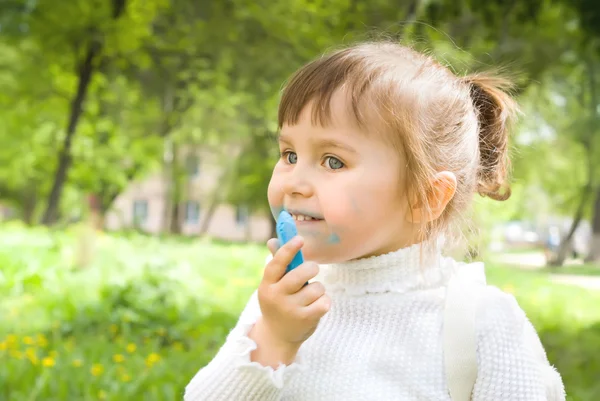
[418, 266]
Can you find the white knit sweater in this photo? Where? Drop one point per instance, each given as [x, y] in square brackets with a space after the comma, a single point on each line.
[382, 340]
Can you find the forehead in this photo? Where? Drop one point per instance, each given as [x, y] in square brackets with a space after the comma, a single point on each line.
[340, 124]
[339, 114]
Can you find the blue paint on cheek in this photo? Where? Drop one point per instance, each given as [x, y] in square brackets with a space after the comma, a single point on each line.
[354, 205]
[333, 238]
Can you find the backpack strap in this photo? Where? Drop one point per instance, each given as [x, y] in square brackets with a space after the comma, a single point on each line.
[460, 343]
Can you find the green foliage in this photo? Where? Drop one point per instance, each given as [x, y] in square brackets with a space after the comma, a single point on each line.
[147, 314]
[568, 327]
[135, 324]
[177, 72]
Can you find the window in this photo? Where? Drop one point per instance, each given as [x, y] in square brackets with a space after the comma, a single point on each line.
[140, 211]
[241, 215]
[192, 212]
[192, 166]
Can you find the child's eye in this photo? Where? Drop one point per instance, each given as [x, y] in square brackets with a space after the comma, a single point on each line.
[333, 163]
[290, 157]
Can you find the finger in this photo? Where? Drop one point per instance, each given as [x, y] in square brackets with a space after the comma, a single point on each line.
[275, 269]
[317, 309]
[273, 245]
[309, 294]
[293, 282]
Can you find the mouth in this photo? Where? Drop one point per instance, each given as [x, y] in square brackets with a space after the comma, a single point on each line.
[304, 217]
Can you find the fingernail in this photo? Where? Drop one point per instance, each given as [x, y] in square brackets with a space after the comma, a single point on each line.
[298, 240]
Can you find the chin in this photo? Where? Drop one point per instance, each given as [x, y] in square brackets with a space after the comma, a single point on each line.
[324, 257]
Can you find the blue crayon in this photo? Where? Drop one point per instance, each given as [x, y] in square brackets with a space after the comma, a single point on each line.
[286, 230]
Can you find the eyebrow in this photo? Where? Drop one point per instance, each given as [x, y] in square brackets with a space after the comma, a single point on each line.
[322, 143]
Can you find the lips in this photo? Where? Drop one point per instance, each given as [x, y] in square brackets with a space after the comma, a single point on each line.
[299, 216]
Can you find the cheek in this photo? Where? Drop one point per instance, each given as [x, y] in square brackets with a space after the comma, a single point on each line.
[272, 192]
[344, 208]
[375, 203]
[275, 192]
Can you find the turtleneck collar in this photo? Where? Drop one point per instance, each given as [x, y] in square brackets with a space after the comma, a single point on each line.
[415, 267]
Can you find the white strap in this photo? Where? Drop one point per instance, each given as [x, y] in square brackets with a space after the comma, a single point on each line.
[460, 345]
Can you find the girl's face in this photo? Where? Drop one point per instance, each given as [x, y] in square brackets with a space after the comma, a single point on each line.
[343, 186]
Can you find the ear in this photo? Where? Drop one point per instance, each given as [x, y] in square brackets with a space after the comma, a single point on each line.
[443, 188]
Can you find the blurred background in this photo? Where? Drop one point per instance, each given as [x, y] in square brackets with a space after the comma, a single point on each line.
[137, 141]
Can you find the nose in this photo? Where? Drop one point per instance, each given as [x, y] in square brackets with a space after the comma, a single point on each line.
[298, 183]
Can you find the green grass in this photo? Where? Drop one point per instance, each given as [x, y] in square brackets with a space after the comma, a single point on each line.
[135, 324]
[139, 321]
[578, 270]
[567, 319]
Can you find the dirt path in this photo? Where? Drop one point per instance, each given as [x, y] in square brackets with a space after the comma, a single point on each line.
[589, 282]
[536, 260]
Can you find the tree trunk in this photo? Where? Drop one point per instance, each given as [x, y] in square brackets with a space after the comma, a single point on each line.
[29, 206]
[166, 177]
[248, 226]
[86, 70]
[109, 192]
[413, 9]
[216, 198]
[566, 242]
[176, 218]
[107, 197]
[594, 253]
[64, 157]
[212, 208]
[176, 193]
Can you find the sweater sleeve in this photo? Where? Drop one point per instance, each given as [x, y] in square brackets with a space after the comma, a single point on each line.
[512, 361]
[231, 375]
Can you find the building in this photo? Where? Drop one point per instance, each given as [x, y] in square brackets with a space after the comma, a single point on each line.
[145, 202]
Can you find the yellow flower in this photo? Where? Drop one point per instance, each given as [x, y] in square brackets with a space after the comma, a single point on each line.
[77, 363]
[11, 339]
[125, 378]
[152, 359]
[31, 355]
[509, 288]
[48, 362]
[3, 345]
[69, 344]
[118, 358]
[131, 347]
[16, 354]
[28, 340]
[178, 346]
[42, 341]
[97, 369]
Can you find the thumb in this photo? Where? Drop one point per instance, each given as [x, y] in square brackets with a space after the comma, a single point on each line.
[273, 245]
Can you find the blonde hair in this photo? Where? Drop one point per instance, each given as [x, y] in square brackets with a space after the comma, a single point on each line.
[438, 120]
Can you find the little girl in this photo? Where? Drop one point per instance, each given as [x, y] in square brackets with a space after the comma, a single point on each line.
[381, 149]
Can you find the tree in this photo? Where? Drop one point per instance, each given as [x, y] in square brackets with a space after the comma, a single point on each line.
[86, 65]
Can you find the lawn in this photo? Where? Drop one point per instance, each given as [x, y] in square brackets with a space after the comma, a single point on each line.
[147, 313]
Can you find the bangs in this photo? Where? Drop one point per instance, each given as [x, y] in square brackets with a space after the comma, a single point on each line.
[350, 70]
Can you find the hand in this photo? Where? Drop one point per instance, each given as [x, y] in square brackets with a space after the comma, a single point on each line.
[290, 310]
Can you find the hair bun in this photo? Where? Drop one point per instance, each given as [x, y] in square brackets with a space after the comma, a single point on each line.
[495, 111]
